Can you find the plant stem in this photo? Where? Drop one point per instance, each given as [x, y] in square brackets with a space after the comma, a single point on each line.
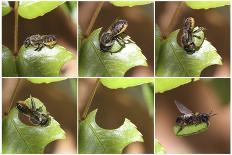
[14, 93]
[16, 22]
[94, 17]
[174, 19]
[87, 106]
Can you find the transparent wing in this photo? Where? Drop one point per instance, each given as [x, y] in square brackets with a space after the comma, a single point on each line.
[182, 108]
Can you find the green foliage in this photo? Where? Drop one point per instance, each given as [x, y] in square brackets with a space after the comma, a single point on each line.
[129, 3]
[70, 7]
[159, 149]
[148, 94]
[19, 138]
[165, 84]
[175, 62]
[33, 9]
[8, 63]
[95, 140]
[157, 41]
[115, 83]
[44, 63]
[190, 129]
[221, 87]
[94, 62]
[44, 80]
[206, 4]
[5, 8]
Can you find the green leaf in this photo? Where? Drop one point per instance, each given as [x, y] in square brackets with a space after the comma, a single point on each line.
[95, 140]
[19, 138]
[8, 63]
[165, 84]
[148, 94]
[129, 3]
[5, 8]
[175, 62]
[159, 149]
[157, 41]
[33, 9]
[115, 83]
[44, 63]
[206, 4]
[190, 129]
[94, 62]
[44, 80]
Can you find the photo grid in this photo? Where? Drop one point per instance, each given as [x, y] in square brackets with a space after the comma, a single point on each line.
[115, 77]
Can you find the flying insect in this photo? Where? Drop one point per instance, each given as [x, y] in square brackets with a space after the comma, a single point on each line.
[113, 33]
[188, 34]
[39, 41]
[36, 115]
[190, 118]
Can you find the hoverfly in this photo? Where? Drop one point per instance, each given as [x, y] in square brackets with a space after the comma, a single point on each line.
[190, 118]
[36, 115]
[188, 34]
[114, 33]
[39, 41]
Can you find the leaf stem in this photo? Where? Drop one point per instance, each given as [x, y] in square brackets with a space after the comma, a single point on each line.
[16, 22]
[94, 17]
[173, 19]
[86, 108]
[14, 93]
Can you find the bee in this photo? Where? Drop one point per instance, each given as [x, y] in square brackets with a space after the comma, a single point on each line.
[113, 33]
[190, 118]
[188, 34]
[36, 115]
[39, 41]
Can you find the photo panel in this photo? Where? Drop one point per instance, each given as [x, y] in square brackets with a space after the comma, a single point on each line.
[116, 116]
[39, 38]
[192, 116]
[116, 39]
[39, 116]
[192, 39]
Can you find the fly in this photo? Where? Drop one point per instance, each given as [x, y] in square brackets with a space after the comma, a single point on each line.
[114, 33]
[36, 115]
[190, 118]
[39, 41]
[188, 34]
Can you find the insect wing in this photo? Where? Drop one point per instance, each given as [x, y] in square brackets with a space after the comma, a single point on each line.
[182, 108]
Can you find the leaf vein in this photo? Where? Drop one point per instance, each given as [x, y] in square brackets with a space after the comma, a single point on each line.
[92, 128]
[13, 122]
[185, 70]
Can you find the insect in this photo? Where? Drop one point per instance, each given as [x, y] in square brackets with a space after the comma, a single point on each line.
[188, 34]
[36, 115]
[39, 41]
[190, 118]
[113, 34]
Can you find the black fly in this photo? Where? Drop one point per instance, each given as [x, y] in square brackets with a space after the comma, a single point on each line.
[188, 34]
[190, 118]
[113, 33]
[36, 115]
